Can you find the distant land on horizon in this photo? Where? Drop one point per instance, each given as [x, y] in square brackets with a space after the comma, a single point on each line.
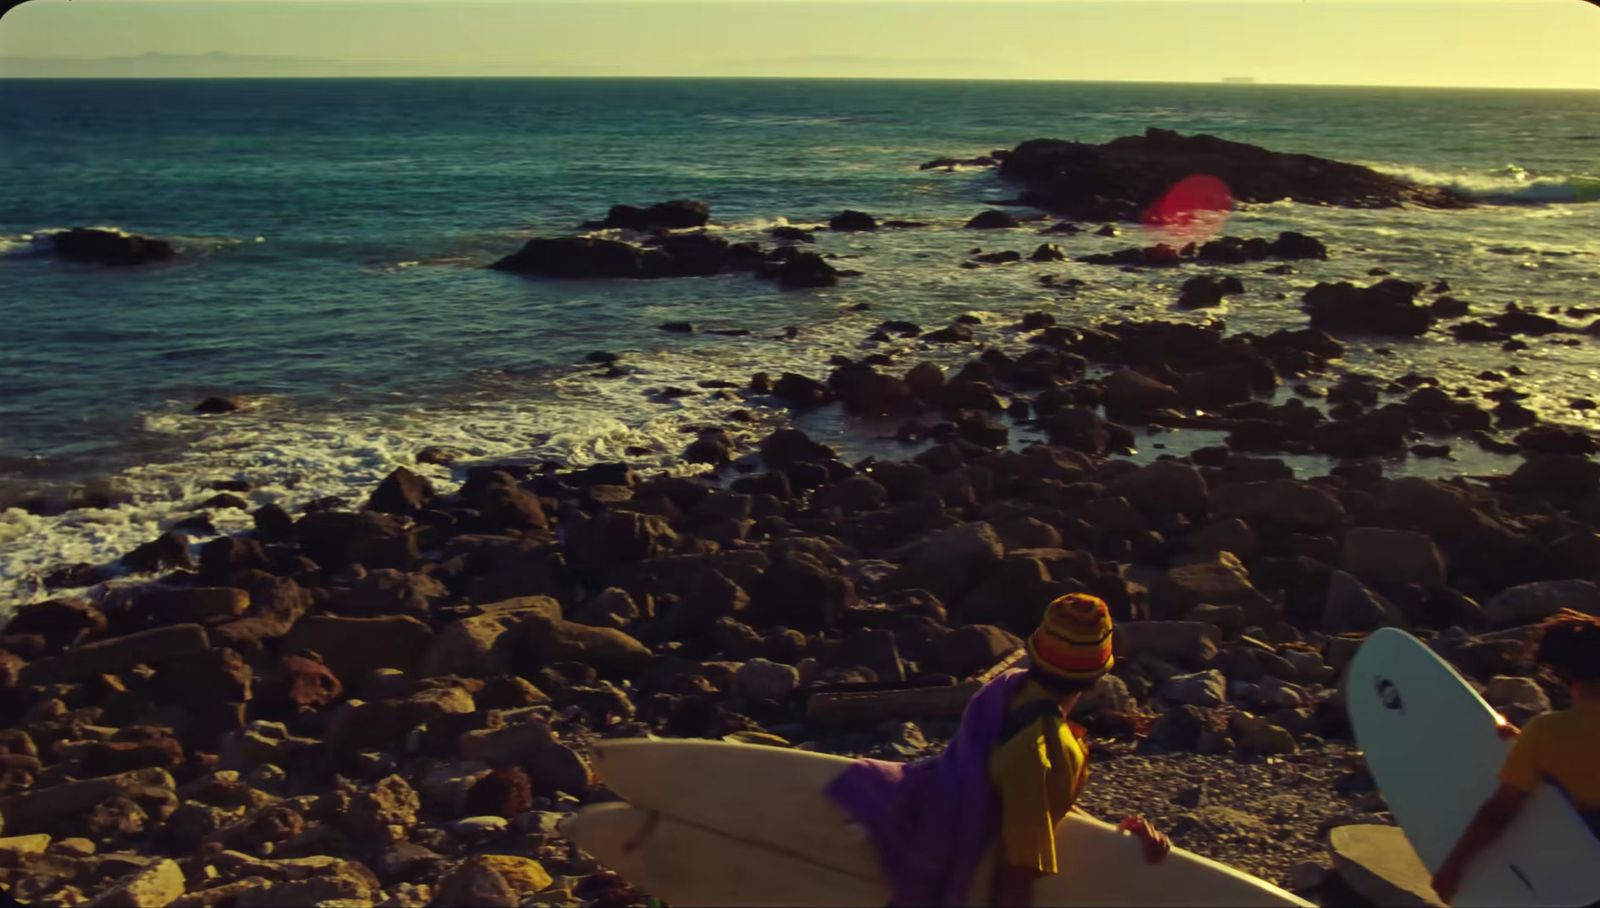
[224, 65]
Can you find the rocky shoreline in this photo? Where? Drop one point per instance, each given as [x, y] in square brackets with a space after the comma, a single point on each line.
[390, 703]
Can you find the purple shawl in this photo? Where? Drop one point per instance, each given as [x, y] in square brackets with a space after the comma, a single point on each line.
[931, 820]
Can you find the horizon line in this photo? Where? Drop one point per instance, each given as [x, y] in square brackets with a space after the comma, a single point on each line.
[1219, 81]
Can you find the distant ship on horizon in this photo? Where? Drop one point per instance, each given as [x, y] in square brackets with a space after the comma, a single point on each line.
[1239, 80]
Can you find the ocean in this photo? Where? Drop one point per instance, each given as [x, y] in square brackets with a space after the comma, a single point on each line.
[334, 234]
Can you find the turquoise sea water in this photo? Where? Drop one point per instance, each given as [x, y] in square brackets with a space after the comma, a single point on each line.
[334, 231]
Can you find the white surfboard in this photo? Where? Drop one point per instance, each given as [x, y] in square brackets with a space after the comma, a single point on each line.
[691, 865]
[772, 800]
[1431, 743]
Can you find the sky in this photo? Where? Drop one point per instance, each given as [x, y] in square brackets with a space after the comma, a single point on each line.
[1459, 43]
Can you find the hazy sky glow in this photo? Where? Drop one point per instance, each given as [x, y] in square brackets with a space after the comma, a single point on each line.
[1495, 43]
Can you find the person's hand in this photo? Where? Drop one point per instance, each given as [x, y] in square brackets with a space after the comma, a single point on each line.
[1506, 730]
[1156, 844]
[1447, 881]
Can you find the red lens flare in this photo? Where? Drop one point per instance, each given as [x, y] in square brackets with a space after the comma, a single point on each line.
[1196, 208]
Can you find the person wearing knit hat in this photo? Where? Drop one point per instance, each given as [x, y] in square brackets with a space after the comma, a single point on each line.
[1040, 762]
[1007, 778]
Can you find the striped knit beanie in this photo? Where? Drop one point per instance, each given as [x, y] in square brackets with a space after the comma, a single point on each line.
[1073, 641]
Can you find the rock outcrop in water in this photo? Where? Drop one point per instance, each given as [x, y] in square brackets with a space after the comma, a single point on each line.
[1123, 177]
[666, 256]
[1387, 307]
[1227, 250]
[678, 214]
[109, 247]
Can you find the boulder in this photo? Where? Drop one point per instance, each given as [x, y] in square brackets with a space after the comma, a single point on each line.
[61, 622]
[402, 492]
[1129, 391]
[1207, 290]
[354, 647]
[1533, 602]
[303, 681]
[118, 654]
[40, 809]
[386, 591]
[850, 220]
[1222, 580]
[858, 492]
[973, 648]
[169, 550]
[786, 447]
[1284, 503]
[525, 876]
[475, 883]
[1508, 691]
[532, 745]
[1180, 729]
[180, 605]
[389, 804]
[1559, 476]
[335, 539]
[761, 679]
[1379, 863]
[614, 538]
[609, 650]
[1386, 308]
[1202, 689]
[1393, 557]
[797, 591]
[1352, 607]
[993, 220]
[1188, 643]
[481, 645]
[866, 391]
[1165, 485]
[806, 269]
[502, 503]
[952, 563]
[1227, 535]
[154, 886]
[1267, 740]
[575, 257]
[677, 214]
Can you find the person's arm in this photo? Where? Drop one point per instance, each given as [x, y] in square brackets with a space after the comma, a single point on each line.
[1013, 886]
[1487, 824]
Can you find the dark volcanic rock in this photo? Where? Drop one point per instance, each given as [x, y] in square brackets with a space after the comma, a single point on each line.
[807, 269]
[790, 446]
[109, 247]
[801, 392]
[213, 406]
[1207, 290]
[1388, 307]
[674, 215]
[575, 257]
[850, 220]
[993, 220]
[401, 492]
[1121, 178]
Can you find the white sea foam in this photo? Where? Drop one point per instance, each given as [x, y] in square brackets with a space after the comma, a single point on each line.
[1510, 185]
